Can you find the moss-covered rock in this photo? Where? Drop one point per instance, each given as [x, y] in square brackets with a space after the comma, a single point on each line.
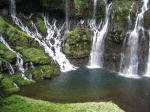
[8, 86]
[77, 42]
[14, 36]
[19, 80]
[46, 71]
[49, 71]
[36, 74]
[6, 54]
[37, 56]
[41, 26]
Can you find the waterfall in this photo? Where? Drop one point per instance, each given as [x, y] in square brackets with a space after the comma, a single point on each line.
[129, 16]
[12, 8]
[9, 67]
[54, 34]
[51, 43]
[67, 19]
[15, 85]
[98, 39]
[147, 74]
[31, 65]
[94, 10]
[130, 59]
[19, 62]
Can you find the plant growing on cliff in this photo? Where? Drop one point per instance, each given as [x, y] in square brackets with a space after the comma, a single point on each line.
[41, 26]
[78, 5]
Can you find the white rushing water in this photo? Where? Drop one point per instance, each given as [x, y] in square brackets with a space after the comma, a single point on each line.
[98, 39]
[95, 8]
[19, 62]
[9, 67]
[51, 43]
[130, 61]
[147, 74]
[129, 16]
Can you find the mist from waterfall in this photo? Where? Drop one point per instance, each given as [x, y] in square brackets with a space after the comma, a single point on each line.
[130, 61]
[51, 43]
[98, 38]
[19, 62]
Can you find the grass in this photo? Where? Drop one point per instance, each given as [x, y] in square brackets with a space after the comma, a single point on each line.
[23, 104]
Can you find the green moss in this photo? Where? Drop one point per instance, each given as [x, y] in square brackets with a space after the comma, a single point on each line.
[41, 26]
[36, 74]
[76, 42]
[50, 71]
[9, 56]
[16, 37]
[34, 55]
[23, 104]
[6, 54]
[78, 6]
[120, 11]
[19, 80]
[8, 86]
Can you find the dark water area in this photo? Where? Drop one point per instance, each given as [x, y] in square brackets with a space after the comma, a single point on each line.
[93, 85]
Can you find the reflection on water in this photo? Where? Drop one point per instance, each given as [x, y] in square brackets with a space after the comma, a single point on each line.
[84, 85]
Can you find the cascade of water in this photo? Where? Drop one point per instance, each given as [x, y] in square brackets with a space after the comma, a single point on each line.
[147, 74]
[99, 34]
[19, 62]
[9, 67]
[26, 66]
[52, 42]
[26, 17]
[67, 19]
[94, 10]
[31, 65]
[30, 76]
[129, 16]
[12, 8]
[54, 34]
[15, 85]
[130, 60]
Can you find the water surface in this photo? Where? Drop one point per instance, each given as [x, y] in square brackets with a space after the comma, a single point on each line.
[86, 85]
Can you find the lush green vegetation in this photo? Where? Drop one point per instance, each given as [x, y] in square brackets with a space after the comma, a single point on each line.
[37, 56]
[7, 83]
[16, 37]
[23, 104]
[6, 54]
[78, 6]
[41, 26]
[49, 71]
[76, 42]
